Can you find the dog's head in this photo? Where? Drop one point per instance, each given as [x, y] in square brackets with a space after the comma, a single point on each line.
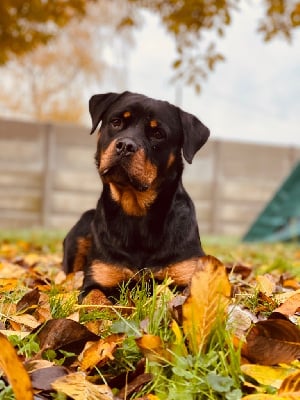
[140, 145]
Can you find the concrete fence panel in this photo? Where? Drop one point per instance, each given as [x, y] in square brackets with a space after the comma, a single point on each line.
[48, 178]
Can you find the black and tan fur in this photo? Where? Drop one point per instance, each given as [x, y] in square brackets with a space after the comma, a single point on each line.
[144, 219]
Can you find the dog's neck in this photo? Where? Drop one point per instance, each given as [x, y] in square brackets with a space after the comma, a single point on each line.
[133, 202]
[128, 202]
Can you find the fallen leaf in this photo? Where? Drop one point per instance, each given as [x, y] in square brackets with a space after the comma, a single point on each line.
[31, 259]
[290, 306]
[267, 376]
[64, 334]
[152, 347]
[262, 396]
[77, 387]
[9, 270]
[242, 270]
[101, 351]
[240, 320]
[175, 306]
[209, 296]
[291, 283]
[27, 320]
[43, 378]
[291, 385]
[15, 371]
[265, 284]
[33, 365]
[29, 300]
[272, 342]
[135, 386]
[9, 332]
[178, 346]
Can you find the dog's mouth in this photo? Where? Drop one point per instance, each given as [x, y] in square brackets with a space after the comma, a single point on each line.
[120, 176]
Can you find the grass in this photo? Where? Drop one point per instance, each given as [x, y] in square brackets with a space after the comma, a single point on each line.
[177, 372]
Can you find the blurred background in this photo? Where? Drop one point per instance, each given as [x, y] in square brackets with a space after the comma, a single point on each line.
[234, 64]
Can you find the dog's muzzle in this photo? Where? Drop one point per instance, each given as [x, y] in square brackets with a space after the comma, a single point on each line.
[125, 147]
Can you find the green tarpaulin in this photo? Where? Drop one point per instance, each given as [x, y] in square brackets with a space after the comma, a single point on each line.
[280, 219]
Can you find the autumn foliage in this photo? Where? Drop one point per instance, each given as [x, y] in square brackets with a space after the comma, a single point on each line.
[233, 333]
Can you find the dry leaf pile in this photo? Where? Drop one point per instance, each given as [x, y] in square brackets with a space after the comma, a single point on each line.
[233, 334]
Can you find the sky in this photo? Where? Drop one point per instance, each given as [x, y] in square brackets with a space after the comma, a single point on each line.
[253, 96]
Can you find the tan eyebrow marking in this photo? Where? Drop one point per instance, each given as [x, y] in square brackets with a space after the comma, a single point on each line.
[127, 114]
[153, 123]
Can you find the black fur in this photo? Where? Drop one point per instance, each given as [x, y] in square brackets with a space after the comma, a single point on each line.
[139, 151]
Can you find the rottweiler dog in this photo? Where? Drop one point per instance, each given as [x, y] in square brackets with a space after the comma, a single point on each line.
[144, 219]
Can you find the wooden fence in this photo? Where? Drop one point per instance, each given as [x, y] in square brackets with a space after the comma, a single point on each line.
[48, 178]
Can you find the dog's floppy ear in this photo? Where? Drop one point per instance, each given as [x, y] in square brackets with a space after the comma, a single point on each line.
[98, 104]
[195, 134]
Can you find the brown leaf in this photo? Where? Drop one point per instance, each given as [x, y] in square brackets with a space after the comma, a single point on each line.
[209, 296]
[43, 378]
[239, 269]
[101, 351]
[290, 306]
[175, 306]
[96, 297]
[29, 300]
[64, 333]
[272, 342]
[78, 388]
[14, 370]
[135, 385]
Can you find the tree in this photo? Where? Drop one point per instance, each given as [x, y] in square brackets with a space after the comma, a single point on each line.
[191, 22]
[24, 24]
[54, 82]
[194, 24]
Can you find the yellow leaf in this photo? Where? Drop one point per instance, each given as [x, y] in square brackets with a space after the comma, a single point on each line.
[78, 388]
[269, 376]
[14, 370]
[263, 397]
[152, 347]
[291, 385]
[265, 285]
[178, 346]
[209, 296]
[10, 271]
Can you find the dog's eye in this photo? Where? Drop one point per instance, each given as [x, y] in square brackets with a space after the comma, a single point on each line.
[116, 122]
[156, 134]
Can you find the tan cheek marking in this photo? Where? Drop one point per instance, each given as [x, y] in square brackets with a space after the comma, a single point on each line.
[106, 156]
[127, 114]
[153, 123]
[83, 247]
[109, 275]
[181, 272]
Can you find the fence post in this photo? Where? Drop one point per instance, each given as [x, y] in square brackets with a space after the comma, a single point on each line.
[47, 173]
[215, 187]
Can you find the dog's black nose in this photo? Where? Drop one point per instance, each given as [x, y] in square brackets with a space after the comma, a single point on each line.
[126, 147]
